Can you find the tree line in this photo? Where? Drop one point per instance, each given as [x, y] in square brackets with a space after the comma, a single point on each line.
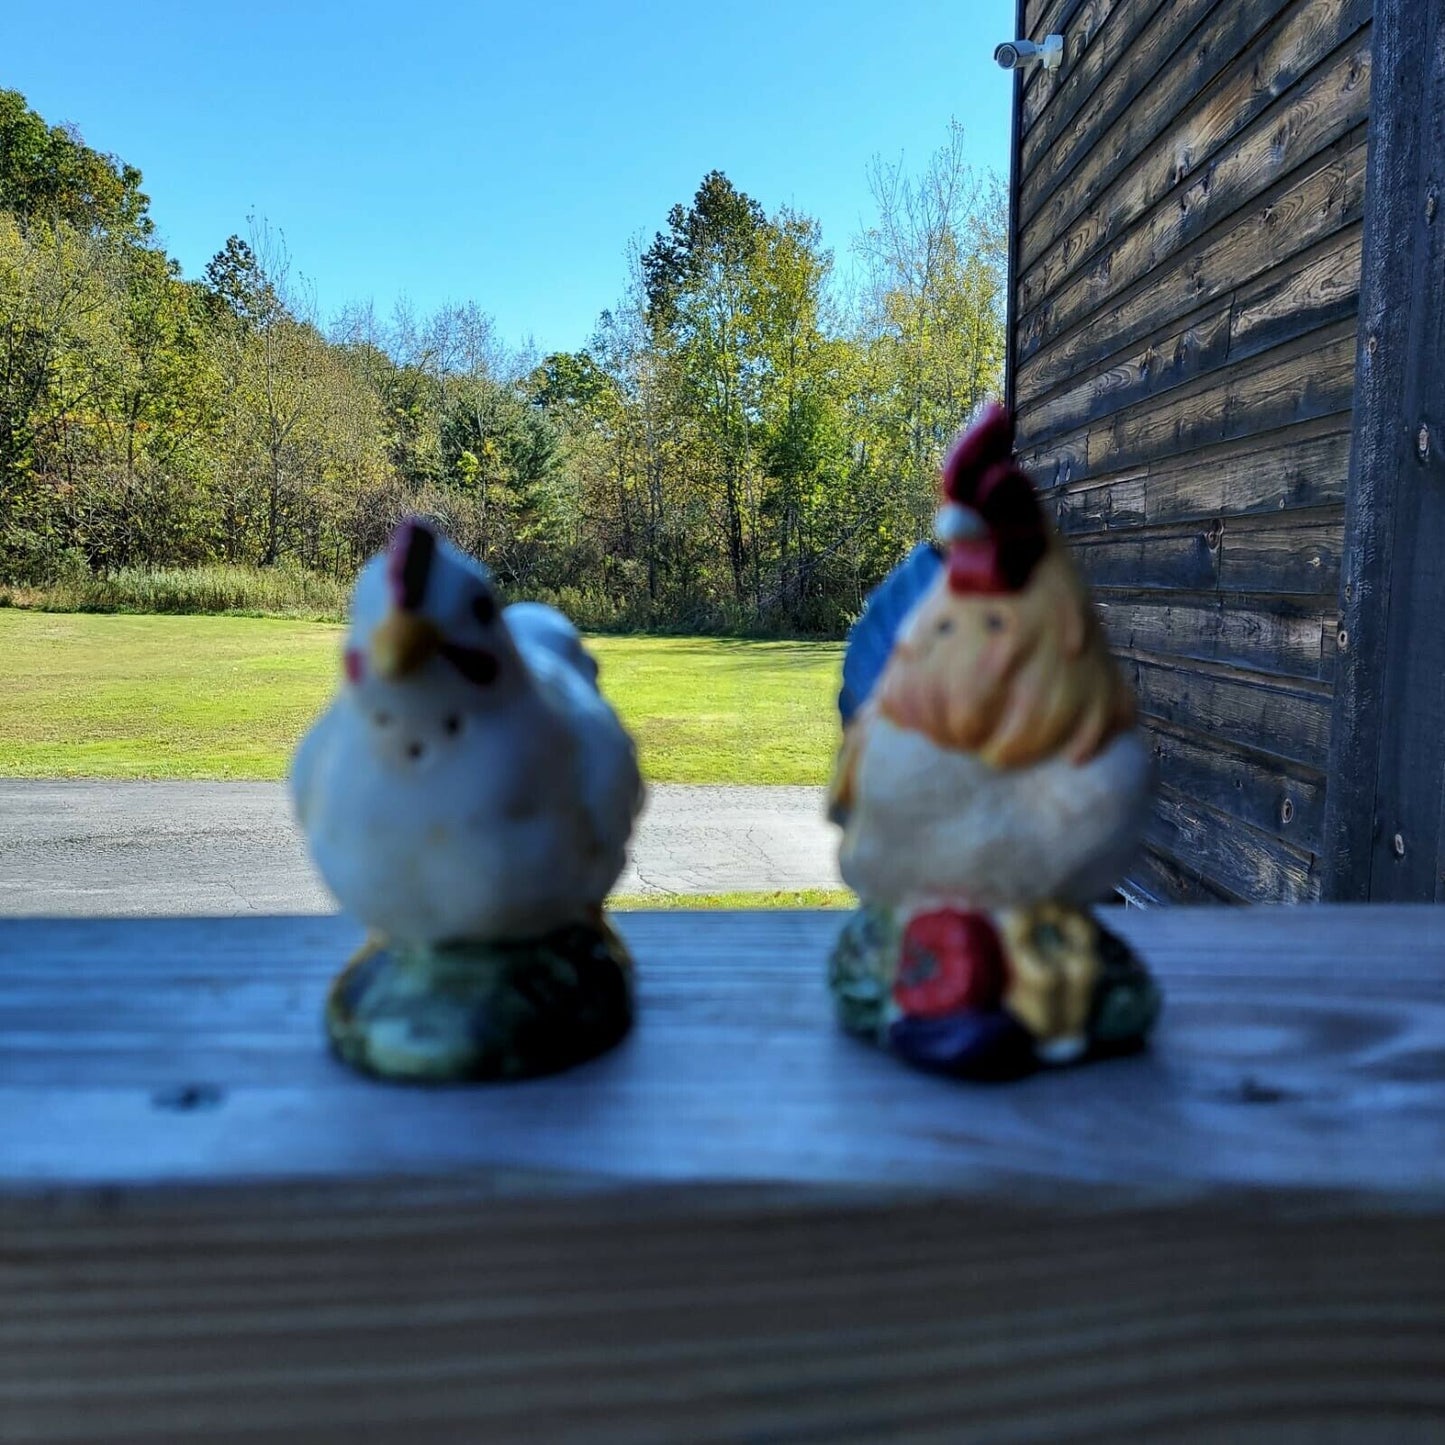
[748, 441]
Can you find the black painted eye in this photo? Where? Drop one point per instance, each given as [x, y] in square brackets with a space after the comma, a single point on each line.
[453, 725]
[484, 609]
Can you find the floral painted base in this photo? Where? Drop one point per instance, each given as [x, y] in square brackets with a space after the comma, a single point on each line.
[991, 996]
[483, 1011]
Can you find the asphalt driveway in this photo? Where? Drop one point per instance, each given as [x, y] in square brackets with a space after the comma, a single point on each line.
[93, 848]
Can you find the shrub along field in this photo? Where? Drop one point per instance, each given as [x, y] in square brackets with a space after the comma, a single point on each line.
[219, 587]
[119, 696]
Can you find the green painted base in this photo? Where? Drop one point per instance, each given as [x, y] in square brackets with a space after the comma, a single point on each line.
[483, 1011]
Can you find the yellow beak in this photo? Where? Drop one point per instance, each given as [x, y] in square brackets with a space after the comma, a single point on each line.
[403, 644]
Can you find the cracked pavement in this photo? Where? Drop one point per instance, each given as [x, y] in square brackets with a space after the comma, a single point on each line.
[133, 848]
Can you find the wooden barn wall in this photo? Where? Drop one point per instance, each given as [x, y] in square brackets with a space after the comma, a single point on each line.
[1189, 194]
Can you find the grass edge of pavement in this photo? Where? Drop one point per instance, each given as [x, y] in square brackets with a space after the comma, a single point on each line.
[807, 898]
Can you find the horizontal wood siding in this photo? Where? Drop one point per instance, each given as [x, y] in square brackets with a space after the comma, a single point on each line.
[1190, 195]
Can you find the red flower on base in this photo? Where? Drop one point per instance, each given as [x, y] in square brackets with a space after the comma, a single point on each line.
[949, 961]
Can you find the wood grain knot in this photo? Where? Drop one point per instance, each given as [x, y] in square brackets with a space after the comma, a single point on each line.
[187, 1098]
[1253, 1091]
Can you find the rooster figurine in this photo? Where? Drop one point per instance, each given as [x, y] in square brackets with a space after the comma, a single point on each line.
[991, 785]
[468, 796]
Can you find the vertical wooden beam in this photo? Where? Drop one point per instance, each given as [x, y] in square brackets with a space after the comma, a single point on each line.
[1385, 820]
[1015, 185]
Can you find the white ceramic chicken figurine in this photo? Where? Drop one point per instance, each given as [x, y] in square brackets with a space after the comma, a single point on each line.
[469, 784]
[991, 783]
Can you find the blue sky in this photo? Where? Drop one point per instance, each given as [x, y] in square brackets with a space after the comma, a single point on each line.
[502, 153]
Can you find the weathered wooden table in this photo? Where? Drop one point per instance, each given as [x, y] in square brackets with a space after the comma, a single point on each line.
[741, 1226]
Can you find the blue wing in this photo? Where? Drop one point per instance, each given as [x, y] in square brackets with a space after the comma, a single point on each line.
[870, 641]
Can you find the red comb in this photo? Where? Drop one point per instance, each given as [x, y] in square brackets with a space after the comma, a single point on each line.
[988, 443]
[981, 473]
[408, 561]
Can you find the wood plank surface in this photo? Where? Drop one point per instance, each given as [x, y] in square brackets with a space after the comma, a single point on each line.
[1091, 46]
[448, 1314]
[1190, 347]
[189, 1049]
[1302, 466]
[1294, 89]
[1157, 880]
[1282, 717]
[1038, 18]
[1183, 346]
[1099, 83]
[1299, 466]
[1268, 794]
[1281, 636]
[1186, 558]
[1077, 21]
[741, 1226]
[1311, 378]
[1297, 554]
[1166, 69]
[1309, 205]
[1318, 288]
[1311, 292]
[1111, 249]
[1249, 862]
[1057, 462]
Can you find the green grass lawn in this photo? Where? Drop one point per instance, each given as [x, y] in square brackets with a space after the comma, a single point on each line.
[117, 696]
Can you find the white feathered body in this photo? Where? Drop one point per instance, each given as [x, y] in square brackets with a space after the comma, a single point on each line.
[513, 817]
[933, 826]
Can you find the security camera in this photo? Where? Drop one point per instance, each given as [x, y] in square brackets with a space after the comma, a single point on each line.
[1020, 54]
